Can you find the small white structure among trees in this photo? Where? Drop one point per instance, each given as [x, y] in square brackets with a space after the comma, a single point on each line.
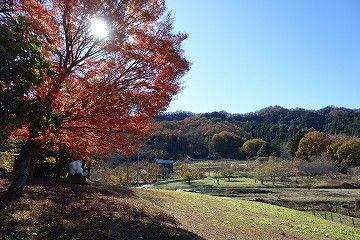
[76, 168]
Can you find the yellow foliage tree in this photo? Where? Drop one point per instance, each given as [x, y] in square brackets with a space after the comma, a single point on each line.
[337, 141]
[349, 151]
[273, 169]
[252, 146]
[189, 172]
[312, 144]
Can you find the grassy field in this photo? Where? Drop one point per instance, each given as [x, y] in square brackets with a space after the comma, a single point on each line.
[55, 210]
[229, 218]
[296, 196]
[211, 182]
[340, 218]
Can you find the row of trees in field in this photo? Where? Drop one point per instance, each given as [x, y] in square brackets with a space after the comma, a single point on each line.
[130, 173]
[280, 170]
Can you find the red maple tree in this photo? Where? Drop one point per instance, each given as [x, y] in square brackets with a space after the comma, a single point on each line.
[103, 91]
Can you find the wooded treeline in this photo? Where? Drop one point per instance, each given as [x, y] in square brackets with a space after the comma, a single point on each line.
[220, 134]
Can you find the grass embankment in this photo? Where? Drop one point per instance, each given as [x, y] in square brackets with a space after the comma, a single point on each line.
[64, 211]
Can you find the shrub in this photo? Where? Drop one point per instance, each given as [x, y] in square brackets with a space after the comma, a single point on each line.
[317, 166]
[273, 169]
[7, 160]
[189, 172]
[228, 173]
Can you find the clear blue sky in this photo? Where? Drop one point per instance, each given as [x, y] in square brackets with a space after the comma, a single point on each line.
[250, 54]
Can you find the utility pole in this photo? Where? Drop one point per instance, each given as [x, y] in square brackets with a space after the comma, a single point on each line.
[209, 154]
[127, 172]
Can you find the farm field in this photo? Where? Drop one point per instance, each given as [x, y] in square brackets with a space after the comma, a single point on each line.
[249, 189]
[55, 210]
[326, 195]
[323, 195]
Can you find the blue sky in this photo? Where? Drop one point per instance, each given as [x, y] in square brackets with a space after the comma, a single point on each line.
[250, 54]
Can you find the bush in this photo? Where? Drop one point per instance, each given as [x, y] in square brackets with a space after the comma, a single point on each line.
[273, 169]
[244, 175]
[189, 172]
[43, 169]
[7, 160]
[227, 173]
[318, 166]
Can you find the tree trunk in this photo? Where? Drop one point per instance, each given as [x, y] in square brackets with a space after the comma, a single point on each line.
[24, 165]
[357, 204]
[273, 180]
[88, 171]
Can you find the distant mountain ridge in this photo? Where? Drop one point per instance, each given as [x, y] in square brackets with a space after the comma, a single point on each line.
[181, 115]
[182, 132]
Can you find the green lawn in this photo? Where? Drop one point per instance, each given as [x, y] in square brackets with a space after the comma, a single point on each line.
[335, 217]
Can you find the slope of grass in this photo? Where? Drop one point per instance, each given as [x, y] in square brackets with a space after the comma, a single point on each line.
[52, 210]
[228, 218]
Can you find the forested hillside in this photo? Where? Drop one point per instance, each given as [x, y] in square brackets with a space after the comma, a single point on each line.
[219, 134]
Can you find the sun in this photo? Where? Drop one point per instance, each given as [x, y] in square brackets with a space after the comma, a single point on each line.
[99, 28]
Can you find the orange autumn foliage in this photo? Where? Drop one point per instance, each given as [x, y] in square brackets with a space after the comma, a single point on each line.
[104, 92]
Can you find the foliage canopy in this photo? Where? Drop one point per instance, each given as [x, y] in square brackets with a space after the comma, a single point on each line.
[102, 93]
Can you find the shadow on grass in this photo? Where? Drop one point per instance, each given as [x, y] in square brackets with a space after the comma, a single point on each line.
[233, 180]
[7, 197]
[52, 210]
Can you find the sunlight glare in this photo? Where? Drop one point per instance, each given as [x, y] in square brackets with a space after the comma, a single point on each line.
[99, 28]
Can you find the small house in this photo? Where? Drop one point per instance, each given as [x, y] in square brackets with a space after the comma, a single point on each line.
[168, 164]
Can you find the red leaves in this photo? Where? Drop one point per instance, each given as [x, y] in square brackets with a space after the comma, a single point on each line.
[106, 91]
